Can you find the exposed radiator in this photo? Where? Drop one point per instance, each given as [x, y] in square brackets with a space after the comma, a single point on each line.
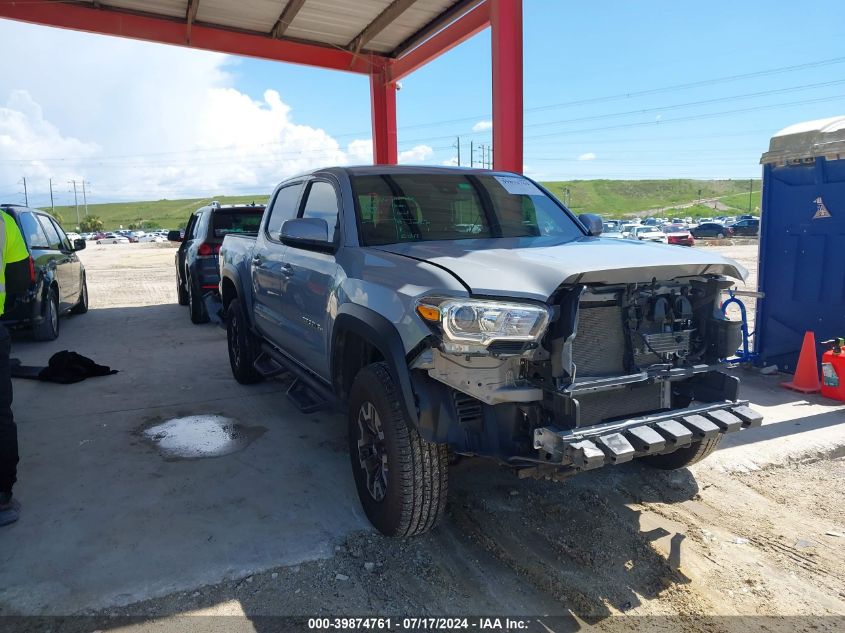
[599, 345]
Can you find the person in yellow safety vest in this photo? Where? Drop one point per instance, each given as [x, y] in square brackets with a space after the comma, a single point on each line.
[12, 251]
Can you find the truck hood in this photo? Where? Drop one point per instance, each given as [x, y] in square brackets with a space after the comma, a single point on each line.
[534, 267]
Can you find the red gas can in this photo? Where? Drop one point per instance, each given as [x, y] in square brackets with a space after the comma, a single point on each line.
[833, 370]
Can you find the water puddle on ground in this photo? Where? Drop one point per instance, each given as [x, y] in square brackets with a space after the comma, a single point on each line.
[198, 436]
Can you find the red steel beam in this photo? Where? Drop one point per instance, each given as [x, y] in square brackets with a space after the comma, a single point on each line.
[383, 102]
[445, 40]
[172, 31]
[506, 42]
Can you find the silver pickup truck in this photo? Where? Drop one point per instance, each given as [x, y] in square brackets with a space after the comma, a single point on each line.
[458, 312]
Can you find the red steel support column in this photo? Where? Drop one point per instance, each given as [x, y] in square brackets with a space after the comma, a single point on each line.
[506, 42]
[383, 100]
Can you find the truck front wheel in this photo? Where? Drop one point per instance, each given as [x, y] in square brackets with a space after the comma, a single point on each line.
[684, 456]
[402, 479]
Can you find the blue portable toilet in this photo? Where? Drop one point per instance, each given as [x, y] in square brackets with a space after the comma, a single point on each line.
[802, 240]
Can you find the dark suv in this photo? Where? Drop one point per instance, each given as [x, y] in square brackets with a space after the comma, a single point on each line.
[56, 276]
[747, 226]
[197, 270]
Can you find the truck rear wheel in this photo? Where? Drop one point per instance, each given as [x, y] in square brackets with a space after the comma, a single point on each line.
[684, 456]
[48, 329]
[402, 479]
[242, 345]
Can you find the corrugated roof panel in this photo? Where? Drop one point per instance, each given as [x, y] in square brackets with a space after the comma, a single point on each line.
[334, 21]
[250, 15]
[412, 20]
[169, 8]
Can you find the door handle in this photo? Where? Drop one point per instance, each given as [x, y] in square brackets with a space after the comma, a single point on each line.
[287, 270]
[256, 260]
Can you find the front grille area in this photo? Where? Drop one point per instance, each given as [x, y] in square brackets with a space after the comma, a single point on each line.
[628, 402]
[599, 345]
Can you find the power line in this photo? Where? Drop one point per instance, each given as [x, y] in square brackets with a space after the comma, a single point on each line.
[593, 100]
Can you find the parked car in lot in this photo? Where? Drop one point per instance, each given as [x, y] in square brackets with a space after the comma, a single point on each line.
[680, 238]
[711, 230]
[197, 270]
[152, 237]
[647, 234]
[746, 227]
[361, 284]
[57, 277]
[112, 238]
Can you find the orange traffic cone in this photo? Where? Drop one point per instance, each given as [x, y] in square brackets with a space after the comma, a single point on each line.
[806, 378]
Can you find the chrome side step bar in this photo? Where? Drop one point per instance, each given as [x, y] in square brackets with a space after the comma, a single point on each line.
[621, 441]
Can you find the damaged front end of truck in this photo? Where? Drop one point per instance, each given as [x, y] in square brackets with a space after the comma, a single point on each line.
[609, 368]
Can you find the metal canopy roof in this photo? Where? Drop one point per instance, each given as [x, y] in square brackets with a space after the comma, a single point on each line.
[384, 39]
[808, 140]
[384, 27]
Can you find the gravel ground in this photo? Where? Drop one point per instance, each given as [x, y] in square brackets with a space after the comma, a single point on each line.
[623, 540]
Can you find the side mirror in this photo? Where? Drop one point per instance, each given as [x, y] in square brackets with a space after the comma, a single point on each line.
[79, 245]
[592, 223]
[174, 236]
[311, 233]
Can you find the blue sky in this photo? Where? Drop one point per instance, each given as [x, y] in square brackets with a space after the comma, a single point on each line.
[134, 100]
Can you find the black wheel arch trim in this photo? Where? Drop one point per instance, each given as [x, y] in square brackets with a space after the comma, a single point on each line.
[381, 334]
[244, 298]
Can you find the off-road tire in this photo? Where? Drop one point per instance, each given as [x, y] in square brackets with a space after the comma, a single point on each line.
[196, 305]
[684, 456]
[417, 471]
[242, 346]
[181, 293]
[48, 329]
[81, 306]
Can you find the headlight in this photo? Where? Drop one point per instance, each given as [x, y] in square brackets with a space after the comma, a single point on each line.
[482, 322]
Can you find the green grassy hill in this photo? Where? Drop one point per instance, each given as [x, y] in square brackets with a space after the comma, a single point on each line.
[610, 198]
[617, 198]
[167, 214]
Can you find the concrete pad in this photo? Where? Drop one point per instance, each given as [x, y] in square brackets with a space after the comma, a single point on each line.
[108, 520]
[796, 427]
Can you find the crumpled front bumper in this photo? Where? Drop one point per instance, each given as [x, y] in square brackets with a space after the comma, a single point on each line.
[621, 441]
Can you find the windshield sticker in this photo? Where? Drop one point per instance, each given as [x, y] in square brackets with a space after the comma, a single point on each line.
[518, 186]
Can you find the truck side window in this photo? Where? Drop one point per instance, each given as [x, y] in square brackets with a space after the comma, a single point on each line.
[62, 236]
[283, 209]
[322, 203]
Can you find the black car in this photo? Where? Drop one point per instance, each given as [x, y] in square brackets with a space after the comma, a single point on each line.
[197, 270]
[748, 226]
[711, 229]
[57, 277]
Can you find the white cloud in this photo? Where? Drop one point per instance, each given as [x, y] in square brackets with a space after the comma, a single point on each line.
[452, 162]
[482, 126]
[360, 151]
[587, 156]
[146, 121]
[417, 154]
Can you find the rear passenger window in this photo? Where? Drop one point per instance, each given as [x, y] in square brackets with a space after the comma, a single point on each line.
[53, 240]
[322, 203]
[32, 231]
[62, 236]
[282, 209]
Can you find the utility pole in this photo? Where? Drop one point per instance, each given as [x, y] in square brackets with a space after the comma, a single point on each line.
[25, 195]
[52, 205]
[458, 145]
[85, 198]
[471, 155]
[75, 200]
[750, 191]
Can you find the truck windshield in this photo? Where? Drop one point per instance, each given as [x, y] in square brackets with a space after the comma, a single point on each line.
[225, 221]
[423, 207]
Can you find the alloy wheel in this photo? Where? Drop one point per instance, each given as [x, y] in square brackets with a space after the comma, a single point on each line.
[372, 452]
